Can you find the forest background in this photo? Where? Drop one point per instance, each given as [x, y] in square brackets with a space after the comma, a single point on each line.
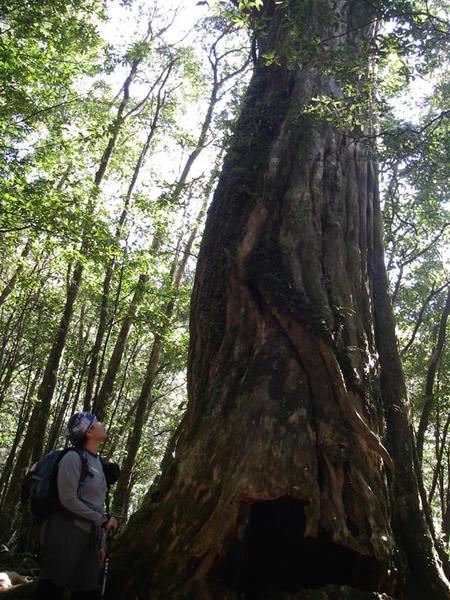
[114, 120]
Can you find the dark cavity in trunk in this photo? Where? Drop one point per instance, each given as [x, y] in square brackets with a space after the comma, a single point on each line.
[274, 556]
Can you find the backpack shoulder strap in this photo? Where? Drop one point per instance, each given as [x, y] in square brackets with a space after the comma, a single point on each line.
[108, 489]
[103, 461]
[84, 463]
[54, 472]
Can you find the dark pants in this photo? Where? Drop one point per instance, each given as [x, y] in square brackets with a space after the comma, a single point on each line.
[69, 559]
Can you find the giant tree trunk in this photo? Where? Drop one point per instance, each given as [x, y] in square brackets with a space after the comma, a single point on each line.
[281, 480]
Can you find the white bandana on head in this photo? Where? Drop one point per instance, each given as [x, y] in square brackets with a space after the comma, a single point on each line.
[79, 423]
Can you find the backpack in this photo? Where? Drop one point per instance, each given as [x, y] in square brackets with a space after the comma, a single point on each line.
[39, 487]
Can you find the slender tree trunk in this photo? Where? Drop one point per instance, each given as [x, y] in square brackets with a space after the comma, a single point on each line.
[41, 411]
[441, 444]
[218, 82]
[12, 363]
[117, 427]
[61, 410]
[430, 378]
[102, 324]
[124, 485]
[12, 346]
[12, 282]
[281, 481]
[102, 399]
[8, 330]
[109, 330]
[21, 424]
[104, 307]
[419, 319]
[445, 500]
[78, 388]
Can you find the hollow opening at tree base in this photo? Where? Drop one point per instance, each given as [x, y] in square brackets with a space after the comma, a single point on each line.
[274, 556]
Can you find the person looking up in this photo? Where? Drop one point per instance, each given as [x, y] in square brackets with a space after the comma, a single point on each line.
[71, 539]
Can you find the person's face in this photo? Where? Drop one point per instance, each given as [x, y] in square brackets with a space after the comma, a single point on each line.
[97, 431]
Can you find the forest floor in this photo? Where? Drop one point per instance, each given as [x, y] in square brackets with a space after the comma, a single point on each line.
[18, 574]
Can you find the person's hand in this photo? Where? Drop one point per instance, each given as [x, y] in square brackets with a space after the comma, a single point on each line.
[101, 555]
[110, 524]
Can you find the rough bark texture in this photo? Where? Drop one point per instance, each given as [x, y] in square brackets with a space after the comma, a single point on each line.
[281, 481]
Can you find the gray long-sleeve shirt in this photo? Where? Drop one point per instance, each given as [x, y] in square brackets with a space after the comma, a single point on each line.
[87, 500]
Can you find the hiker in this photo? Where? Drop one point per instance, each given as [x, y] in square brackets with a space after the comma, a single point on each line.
[71, 539]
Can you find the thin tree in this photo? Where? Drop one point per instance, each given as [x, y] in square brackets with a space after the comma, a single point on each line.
[125, 484]
[115, 360]
[161, 97]
[9, 287]
[429, 400]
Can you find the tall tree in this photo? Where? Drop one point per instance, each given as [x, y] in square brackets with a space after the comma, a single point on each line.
[159, 99]
[430, 378]
[124, 486]
[294, 468]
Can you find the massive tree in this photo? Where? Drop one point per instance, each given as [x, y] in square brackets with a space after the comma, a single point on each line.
[294, 468]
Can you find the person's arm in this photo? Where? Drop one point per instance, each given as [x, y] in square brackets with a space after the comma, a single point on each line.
[69, 473]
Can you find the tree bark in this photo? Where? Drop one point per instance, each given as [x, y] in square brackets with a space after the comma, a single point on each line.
[281, 481]
[60, 412]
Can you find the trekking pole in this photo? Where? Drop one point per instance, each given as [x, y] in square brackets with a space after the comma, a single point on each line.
[106, 565]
